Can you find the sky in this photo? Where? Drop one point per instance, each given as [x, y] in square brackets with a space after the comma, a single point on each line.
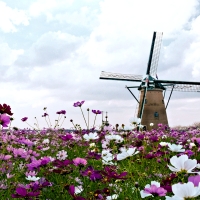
[53, 51]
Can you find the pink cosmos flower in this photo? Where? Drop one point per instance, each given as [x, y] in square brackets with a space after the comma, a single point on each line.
[24, 119]
[195, 180]
[5, 157]
[153, 190]
[4, 120]
[79, 161]
[78, 104]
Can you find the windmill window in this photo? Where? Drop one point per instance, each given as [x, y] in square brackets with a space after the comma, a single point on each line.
[145, 101]
[162, 101]
[156, 115]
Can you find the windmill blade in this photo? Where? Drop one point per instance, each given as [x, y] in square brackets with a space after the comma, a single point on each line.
[121, 77]
[183, 86]
[142, 105]
[154, 54]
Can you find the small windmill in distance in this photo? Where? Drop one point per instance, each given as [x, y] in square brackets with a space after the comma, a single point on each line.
[151, 106]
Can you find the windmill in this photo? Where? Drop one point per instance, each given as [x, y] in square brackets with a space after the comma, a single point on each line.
[151, 105]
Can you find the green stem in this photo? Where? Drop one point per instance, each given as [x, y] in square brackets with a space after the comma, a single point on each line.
[84, 117]
[49, 121]
[62, 121]
[94, 120]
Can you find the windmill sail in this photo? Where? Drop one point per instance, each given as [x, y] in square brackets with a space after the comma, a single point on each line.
[121, 77]
[183, 86]
[154, 54]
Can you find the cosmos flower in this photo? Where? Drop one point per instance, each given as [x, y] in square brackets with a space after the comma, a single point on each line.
[125, 153]
[61, 155]
[78, 104]
[114, 196]
[5, 109]
[96, 112]
[182, 163]
[163, 144]
[153, 190]
[22, 193]
[115, 137]
[79, 161]
[110, 172]
[46, 141]
[175, 148]
[4, 120]
[32, 178]
[61, 112]
[107, 157]
[134, 120]
[24, 119]
[195, 180]
[91, 136]
[184, 191]
[93, 174]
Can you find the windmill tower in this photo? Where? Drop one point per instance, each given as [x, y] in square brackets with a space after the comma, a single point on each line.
[152, 108]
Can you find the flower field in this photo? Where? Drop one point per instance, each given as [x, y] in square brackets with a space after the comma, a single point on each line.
[109, 162]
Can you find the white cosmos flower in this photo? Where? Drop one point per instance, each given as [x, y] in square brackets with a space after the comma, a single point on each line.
[91, 136]
[61, 155]
[114, 196]
[46, 141]
[32, 178]
[115, 137]
[192, 144]
[182, 163]
[183, 191]
[78, 189]
[126, 153]
[107, 157]
[163, 144]
[175, 148]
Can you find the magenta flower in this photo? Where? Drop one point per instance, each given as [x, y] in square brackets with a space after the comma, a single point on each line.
[24, 119]
[96, 112]
[94, 155]
[4, 120]
[79, 161]
[35, 164]
[61, 112]
[93, 174]
[79, 104]
[111, 173]
[195, 180]
[5, 109]
[5, 157]
[22, 193]
[45, 160]
[66, 137]
[61, 164]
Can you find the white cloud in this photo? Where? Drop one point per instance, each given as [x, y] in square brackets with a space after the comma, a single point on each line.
[7, 55]
[10, 18]
[46, 7]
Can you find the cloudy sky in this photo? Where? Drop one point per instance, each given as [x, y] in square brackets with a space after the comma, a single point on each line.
[53, 51]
